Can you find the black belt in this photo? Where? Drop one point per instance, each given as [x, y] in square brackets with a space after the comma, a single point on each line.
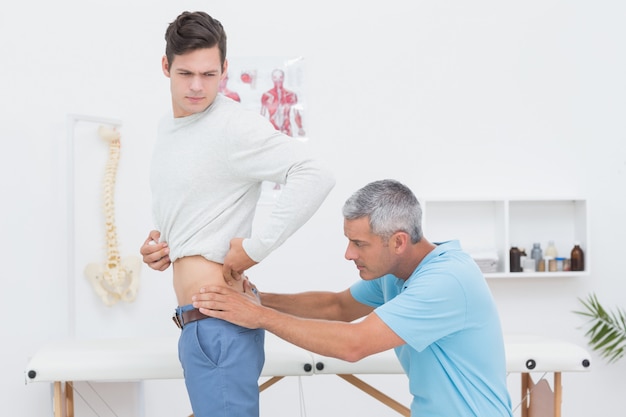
[187, 317]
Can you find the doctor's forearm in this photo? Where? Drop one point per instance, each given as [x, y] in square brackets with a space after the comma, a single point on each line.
[329, 338]
[312, 304]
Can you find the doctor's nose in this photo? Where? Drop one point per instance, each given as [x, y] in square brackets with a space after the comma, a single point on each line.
[350, 254]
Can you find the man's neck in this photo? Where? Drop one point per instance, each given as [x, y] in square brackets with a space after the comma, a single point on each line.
[414, 257]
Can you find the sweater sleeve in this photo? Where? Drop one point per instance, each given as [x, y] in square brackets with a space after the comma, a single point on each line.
[306, 186]
[263, 154]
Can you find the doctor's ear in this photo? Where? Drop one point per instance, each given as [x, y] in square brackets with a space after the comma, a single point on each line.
[399, 241]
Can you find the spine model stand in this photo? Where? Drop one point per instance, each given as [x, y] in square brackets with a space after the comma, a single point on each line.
[117, 279]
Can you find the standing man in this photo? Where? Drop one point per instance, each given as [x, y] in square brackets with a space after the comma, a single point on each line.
[210, 159]
[428, 301]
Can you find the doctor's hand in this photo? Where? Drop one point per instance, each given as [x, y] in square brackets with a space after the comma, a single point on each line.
[155, 254]
[240, 308]
[236, 261]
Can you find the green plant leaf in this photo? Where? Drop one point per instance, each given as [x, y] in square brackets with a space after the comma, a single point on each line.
[607, 329]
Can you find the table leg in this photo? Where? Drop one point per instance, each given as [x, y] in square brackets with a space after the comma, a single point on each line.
[527, 388]
[525, 394]
[269, 383]
[383, 398]
[57, 401]
[558, 394]
[69, 399]
[63, 399]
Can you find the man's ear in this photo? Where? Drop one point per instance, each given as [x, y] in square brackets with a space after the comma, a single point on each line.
[400, 241]
[165, 66]
[224, 69]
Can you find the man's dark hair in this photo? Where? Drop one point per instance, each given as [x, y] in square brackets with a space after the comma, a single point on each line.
[191, 31]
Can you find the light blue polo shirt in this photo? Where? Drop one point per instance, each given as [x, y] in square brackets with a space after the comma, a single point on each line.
[454, 352]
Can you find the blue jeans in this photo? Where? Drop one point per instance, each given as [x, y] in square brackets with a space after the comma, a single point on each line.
[222, 363]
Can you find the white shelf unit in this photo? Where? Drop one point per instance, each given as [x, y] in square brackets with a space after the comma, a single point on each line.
[496, 225]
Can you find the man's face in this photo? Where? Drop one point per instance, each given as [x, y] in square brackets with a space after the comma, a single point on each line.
[372, 255]
[194, 80]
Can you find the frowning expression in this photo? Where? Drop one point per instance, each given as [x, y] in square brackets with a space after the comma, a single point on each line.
[194, 80]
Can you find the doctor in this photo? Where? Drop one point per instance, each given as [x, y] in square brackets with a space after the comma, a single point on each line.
[428, 301]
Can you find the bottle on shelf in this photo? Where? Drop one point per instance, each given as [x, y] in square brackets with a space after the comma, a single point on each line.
[522, 258]
[536, 254]
[552, 265]
[577, 258]
[525, 262]
[566, 265]
[528, 264]
[542, 265]
[514, 260]
[551, 250]
[560, 261]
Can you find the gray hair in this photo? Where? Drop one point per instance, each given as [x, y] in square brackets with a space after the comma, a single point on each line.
[391, 207]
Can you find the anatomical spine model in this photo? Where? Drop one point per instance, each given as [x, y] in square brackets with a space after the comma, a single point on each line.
[117, 279]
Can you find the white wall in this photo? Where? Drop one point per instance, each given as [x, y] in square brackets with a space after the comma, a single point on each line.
[456, 99]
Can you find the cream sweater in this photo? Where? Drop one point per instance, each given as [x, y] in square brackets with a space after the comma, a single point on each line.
[206, 177]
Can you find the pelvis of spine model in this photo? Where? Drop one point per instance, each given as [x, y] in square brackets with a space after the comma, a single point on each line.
[117, 278]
